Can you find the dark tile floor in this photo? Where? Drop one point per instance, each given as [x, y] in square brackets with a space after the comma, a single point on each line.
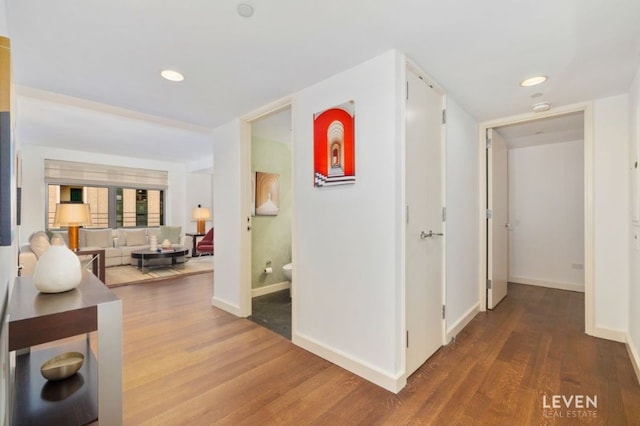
[273, 311]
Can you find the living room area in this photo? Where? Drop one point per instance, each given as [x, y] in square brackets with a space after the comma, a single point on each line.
[132, 197]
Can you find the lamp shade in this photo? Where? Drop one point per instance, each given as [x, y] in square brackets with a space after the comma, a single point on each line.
[72, 214]
[201, 213]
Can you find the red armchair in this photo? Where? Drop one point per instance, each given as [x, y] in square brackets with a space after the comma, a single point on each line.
[205, 245]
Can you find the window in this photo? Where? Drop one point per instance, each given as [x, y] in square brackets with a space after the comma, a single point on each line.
[111, 207]
[119, 197]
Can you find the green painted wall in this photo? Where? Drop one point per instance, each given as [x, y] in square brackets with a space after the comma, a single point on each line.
[271, 235]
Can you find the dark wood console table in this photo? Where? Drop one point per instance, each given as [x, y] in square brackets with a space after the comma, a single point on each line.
[35, 318]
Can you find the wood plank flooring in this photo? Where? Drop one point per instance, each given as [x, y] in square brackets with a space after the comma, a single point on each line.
[187, 363]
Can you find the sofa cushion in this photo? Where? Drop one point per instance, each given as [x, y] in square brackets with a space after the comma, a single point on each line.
[171, 233]
[135, 237]
[39, 243]
[102, 238]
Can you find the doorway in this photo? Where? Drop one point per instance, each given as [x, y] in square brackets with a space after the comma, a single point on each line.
[271, 220]
[551, 151]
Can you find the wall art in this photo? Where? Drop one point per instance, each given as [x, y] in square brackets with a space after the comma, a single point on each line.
[334, 156]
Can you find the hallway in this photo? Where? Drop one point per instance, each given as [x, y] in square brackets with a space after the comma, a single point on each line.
[186, 362]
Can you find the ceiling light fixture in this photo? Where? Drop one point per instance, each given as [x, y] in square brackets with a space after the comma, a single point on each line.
[245, 10]
[541, 107]
[532, 81]
[172, 75]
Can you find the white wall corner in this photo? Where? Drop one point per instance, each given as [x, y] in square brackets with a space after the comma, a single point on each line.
[548, 284]
[634, 354]
[609, 334]
[392, 383]
[226, 306]
[459, 325]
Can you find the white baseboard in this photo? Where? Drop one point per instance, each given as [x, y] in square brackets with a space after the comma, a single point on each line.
[634, 355]
[366, 371]
[609, 334]
[550, 284]
[462, 322]
[268, 289]
[226, 306]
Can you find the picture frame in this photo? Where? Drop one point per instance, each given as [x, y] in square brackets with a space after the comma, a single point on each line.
[334, 156]
[267, 194]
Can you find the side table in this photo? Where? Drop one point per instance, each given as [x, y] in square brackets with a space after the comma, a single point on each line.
[36, 318]
[194, 238]
[97, 261]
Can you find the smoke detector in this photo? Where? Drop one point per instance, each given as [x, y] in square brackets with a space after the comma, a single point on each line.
[245, 10]
[541, 107]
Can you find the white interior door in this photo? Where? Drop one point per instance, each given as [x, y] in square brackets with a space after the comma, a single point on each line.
[498, 221]
[424, 239]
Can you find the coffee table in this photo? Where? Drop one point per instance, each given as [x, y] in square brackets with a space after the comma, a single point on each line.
[146, 259]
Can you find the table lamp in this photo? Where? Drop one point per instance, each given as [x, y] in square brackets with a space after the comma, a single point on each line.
[201, 214]
[72, 216]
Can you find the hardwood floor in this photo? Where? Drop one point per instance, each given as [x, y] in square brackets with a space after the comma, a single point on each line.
[186, 362]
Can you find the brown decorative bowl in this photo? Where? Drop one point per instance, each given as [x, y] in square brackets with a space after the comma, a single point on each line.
[62, 366]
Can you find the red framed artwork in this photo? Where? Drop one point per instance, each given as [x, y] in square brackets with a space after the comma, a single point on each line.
[334, 156]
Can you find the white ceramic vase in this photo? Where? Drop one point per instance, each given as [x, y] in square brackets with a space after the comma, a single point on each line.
[57, 270]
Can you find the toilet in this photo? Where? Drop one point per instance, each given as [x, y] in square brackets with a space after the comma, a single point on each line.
[286, 269]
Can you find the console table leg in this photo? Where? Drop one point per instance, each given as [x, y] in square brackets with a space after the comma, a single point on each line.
[110, 363]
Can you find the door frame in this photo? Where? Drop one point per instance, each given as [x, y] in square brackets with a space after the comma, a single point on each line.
[589, 249]
[246, 199]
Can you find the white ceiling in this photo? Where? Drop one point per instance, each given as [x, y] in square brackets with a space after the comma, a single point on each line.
[562, 128]
[111, 52]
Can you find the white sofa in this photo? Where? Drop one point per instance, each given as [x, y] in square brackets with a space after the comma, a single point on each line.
[117, 244]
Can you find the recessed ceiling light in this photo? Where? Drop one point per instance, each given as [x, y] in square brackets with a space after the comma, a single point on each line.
[245, 10]
[172, 75]
[532, 81]
[537, 95]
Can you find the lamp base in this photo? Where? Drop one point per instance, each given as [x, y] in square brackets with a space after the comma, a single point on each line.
[200, 227]
[73, 238]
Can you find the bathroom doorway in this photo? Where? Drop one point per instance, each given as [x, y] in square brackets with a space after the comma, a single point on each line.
[271, 210]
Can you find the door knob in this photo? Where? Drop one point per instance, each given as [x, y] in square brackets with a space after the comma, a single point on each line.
[425, 235]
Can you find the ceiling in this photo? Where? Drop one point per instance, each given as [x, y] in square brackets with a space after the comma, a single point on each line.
[111, 52]
[561, 128]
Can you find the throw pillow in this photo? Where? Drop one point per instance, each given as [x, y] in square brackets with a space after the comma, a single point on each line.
[171, 233]
[136, 237]
[57, 240]
[39, 242]
[102, 238]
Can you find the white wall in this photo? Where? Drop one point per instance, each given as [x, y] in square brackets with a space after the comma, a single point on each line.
[633, 337]
[199, 190]
[345, 265]
[34, 189]
[611, 220]
[227, 217]
[462, 220]
[546, 213]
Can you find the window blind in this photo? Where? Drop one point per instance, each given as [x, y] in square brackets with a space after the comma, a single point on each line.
[76, 173]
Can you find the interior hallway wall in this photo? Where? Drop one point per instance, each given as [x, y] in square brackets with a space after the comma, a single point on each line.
[462, 233]
[546, 213]
[611, 215]
[633, 338]
[347, 243]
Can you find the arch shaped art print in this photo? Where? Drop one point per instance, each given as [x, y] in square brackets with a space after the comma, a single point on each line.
[334, 161]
